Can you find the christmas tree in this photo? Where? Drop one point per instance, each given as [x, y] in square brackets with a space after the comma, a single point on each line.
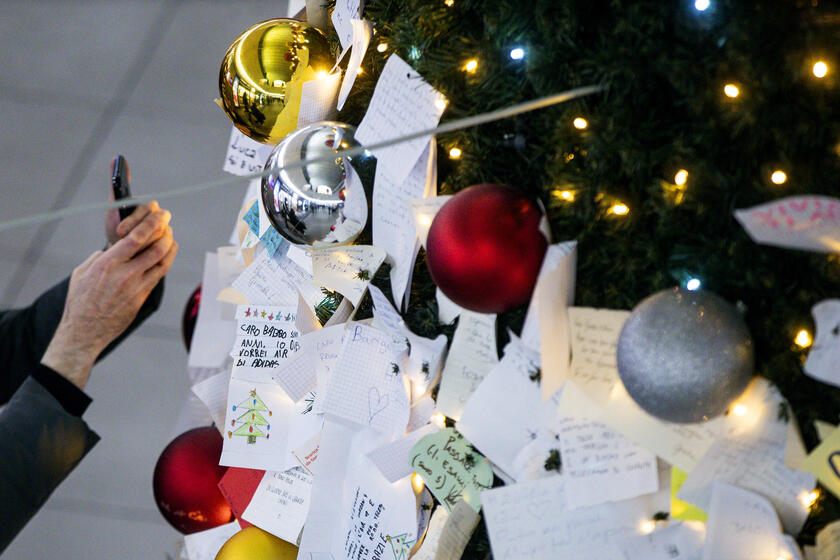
[707, 107]
[251, 420]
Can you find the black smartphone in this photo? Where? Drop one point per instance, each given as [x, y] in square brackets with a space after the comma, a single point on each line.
[120, 179]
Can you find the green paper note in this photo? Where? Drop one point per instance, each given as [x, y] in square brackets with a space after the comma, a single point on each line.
[451, 468]
[680, 509]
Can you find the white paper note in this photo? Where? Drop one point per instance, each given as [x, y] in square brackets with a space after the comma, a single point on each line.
[531, 520]
[457, 531]
[256, 424]
[266, 337]
[393, 225]
[498, 417]
[347, 270]
[423, 212]
[366, 386]
[244, 156]
[828, 542]
[741, 526]
[345, 11]
[204, 545]
[471, 357]
[553, 294]
[601, 465]
[317, 99]
[281, 503]
[421, 413]
[799, 222]
[276, 281]
[429, 547]
[213, 335]
[327, 350]
[594, 336]
[392, 459]
[823, 361]
[402, 103]
[677, 541]
[362, 31]
[213, 393]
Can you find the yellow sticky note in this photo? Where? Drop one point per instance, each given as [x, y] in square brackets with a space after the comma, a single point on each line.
[680, 509]
[824, 462]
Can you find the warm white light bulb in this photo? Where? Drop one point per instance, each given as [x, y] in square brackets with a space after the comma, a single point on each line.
[517, 53]
[647, 527]
[580, 123]
[731, 90]
[803, 339]
[382, 47]
[692, 285]
[455, 153]
[471, 65]
[701, 5]
[778, 177]
[820, 69]
[620, 209]
[681, 177]
[438, 420]
[739, 410]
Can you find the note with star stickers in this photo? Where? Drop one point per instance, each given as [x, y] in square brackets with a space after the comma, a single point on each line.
[823, 361]
[266, 338]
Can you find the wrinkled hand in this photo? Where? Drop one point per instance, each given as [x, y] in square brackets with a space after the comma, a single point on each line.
[108, 289]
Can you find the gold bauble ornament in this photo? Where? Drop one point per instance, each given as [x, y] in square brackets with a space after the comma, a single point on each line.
[252, 543]
[263, 73]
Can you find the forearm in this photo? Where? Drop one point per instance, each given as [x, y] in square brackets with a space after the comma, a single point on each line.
[40, 443]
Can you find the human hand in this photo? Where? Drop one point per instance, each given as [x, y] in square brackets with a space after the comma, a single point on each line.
[108, 289]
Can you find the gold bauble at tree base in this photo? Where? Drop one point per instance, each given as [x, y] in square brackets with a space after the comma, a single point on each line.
[252, 543]
[263, 72]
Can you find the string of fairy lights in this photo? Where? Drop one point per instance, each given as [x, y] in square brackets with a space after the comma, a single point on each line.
[675, 190]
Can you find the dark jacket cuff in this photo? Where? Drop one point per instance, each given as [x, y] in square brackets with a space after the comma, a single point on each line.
[72, 399]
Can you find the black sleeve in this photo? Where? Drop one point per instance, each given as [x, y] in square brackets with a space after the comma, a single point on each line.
[26, 333]
[40, 443]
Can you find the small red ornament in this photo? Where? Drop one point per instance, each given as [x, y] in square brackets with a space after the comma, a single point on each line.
[190, 316]
[186, 479]
[485, 248]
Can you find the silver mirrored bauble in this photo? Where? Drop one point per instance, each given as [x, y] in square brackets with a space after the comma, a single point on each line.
[685, 356]
[314, 204]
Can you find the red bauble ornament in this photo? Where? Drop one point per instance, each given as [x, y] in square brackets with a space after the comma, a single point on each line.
[186, 482]
[190, 316]
[485, 248]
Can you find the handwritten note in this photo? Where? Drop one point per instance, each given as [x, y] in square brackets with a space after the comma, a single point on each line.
[471, 357]
[299, 375]
[601, 465]
[362, 31]
[260, 227]
[276, 281]
[393, 226]
[823, 361]
[366, 386]
[204, 545]
[451, 468]
[347, 270]
[421, 412]
[392, 458]
[824, 462]
[799, 222]
[266, 337]
[317, 102]
[751, 455]
[531, 520]
[742, 526]
[345, 11]
[256, 425]
[676, 541]
[244, 156]
[498, 417]
[327, 350]
[281, 503]
[402, 103]
[594, 334]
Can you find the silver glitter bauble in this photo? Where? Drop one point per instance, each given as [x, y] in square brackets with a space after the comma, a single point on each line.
[315, 204]
[685, 356]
